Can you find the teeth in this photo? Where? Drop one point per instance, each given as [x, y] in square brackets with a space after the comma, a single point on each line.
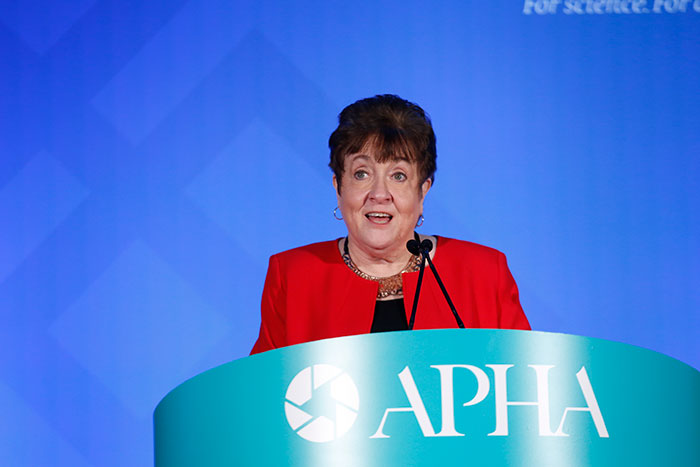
[378, 214]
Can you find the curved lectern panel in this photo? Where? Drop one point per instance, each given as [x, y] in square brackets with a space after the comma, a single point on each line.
[439, 397]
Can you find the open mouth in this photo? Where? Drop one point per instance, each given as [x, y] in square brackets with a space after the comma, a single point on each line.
[379, 217]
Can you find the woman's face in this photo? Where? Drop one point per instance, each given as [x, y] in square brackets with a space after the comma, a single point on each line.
[380, 202]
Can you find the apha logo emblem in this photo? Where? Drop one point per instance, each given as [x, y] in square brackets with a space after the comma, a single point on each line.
[321, 383]
[311, 381]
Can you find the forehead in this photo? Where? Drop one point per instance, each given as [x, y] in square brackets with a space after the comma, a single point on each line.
[372, 154]
[354, 160]
[383, 147]
[376, 157]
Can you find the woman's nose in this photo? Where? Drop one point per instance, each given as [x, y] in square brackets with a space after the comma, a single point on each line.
[379, 191]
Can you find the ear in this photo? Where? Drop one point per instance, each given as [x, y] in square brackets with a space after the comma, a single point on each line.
[335, 185]
[426, 187]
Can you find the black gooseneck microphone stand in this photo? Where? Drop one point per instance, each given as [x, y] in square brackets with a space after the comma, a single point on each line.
[415, 246]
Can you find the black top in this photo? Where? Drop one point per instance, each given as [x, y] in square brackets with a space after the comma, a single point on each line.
[389, 315]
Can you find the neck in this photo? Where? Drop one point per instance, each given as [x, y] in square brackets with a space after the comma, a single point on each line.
[379, 262]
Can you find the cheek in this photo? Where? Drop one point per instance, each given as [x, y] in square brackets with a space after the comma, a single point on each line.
[350, 199]
[410, 202]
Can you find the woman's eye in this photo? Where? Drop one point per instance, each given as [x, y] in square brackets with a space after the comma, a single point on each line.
[360, 174]
[399, 176]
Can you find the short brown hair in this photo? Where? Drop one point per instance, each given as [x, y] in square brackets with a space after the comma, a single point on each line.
[397, 128]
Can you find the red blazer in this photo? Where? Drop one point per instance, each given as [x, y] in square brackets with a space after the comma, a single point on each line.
[311, 294]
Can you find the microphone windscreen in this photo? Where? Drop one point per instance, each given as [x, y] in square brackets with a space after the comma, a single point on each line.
[426, 245]
[413, 246]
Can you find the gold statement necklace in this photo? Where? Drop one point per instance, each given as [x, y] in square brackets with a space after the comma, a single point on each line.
[388, 286]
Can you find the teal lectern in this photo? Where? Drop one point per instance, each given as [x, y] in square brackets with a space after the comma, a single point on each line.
[441, 397]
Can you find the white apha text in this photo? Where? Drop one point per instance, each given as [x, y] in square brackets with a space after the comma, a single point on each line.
[502, 404]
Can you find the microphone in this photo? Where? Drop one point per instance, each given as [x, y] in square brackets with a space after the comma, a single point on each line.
[415, 248]
[424, 249]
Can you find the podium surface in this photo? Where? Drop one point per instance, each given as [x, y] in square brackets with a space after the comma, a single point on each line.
[437, 397]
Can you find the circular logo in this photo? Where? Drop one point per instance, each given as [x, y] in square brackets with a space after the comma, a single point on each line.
[321, 403]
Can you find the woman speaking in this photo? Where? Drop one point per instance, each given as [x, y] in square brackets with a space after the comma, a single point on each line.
[383, 161]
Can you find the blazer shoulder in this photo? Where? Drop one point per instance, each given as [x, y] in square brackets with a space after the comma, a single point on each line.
[475, 251]
[320, 252]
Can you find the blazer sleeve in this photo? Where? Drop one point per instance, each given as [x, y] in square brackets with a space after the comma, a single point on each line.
[273, 314]
[512, 315]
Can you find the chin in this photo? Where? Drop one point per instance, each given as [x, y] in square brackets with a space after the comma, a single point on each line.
[381, 240]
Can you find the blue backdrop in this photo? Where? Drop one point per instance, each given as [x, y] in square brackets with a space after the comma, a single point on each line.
[154, 154]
